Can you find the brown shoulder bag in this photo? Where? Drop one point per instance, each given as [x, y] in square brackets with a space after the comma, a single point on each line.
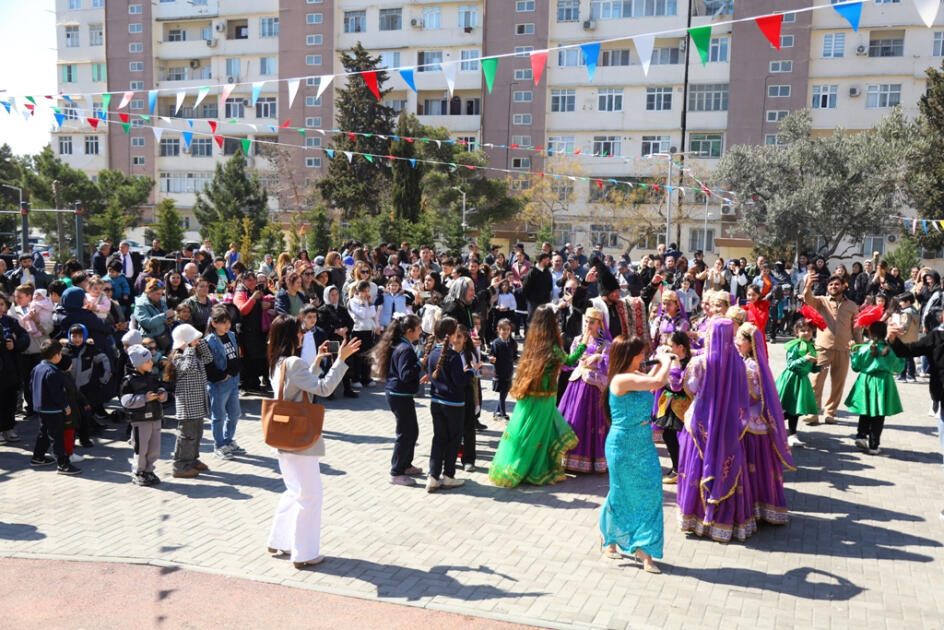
[288, 425]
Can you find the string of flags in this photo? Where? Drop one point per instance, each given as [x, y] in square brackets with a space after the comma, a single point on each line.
[913, 224]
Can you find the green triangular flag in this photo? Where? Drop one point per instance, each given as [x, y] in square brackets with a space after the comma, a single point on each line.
[106, 101]
[489, 67]
[234, 121]
[369, 158]
[246, 142]
[701, 37]
[31, 99]
[144, 117]
[57, 110]
[368, 135]
[301, 130]
[126, 127]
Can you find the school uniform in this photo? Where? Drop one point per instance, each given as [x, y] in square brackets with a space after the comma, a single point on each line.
[403, 381]
[447, 391]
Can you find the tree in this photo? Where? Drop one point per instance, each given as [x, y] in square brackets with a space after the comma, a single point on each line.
[246, 243]
[271, 240]
[905, 256]
[318, 238]
[356, 186]
[926, 173]
[232, 196]
[169, 227]
[407, 191]
[839, 187]
[486, 234]
[9, 198]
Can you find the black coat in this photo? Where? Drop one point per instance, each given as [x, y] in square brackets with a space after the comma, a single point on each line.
[931, 346]
[459, 311]
[100, 264]
[137, 265]
[537, 286]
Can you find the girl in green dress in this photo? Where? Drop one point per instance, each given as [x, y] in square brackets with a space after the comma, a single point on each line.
[874, 395]
[537, 436]
[793, 384]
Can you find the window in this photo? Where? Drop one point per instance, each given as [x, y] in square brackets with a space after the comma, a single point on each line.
[390, 59]
[569, 57]
[266, 107]
[136, 85]
[786, 41]
[521, 119]
[313, 101]
[520, 162]
[267, 66]
[313, 122]
[524, 29]
[773, 140]
[137, 142]
[317, 18]
[781, 66]
[718, 50]
[653, 8]
[201, 147]
[312, 162]
[170, 147]
[65, 145]
[314, 1]
[834, 45]
[883, 95]
[523, 96]
[355, 21]
[173, 74]
[71, 112]
[524, 6]
[432, 18]
[656, 144]
[435, 107]
[523, 74]
[137, 103]
[608, 146]
[604, 234]
[137, 160]
[887, 44]
[873, 243]
[658, 99]
[99, 72]
[778, 91]
[314, 40]
[521, 141]
[776, 115]
[313, 143]
[523, 51]
[563, 232]
[72, 36]
[134, 9]
[232, 67]
[91, 145]
[468, 16]
[788, 18]
[137, 122]
[824, 96]
[207, 33]
[391, 19]
[135, 27]
[610, 99]
[563, 100]
[429, 60]
[313, 60]
[176, 35]
[138, 66]
[620, 57]
[709, 97]
[136, 47]
[98, 4]
[231, 146]
[75, 5]
[938, 49]
[706, 145]
[666, 56]
[234, 108]
[470, 60]
[70, 73]
[568, 10]
[697, 239]
[610, 9]
[269, 27]
[185, 182]
[560, 144]
[96, 35]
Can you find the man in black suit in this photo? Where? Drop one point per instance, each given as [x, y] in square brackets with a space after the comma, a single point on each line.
[100, 259]
[157, 251]
[538, 284]
[131, 263]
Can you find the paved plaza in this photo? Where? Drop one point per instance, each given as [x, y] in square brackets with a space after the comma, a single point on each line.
[864, 547]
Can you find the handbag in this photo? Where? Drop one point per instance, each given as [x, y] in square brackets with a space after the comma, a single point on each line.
[288, 425]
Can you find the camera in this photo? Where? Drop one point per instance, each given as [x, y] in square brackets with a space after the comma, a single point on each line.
[334, 346]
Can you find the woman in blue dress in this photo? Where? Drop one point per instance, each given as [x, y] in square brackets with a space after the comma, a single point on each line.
[631, 518]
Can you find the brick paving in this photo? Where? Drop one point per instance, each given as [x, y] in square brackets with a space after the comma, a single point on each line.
[863, 548]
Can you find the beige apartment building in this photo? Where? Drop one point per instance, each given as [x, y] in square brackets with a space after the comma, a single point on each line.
[624, 123]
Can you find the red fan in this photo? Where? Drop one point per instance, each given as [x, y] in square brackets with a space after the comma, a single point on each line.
[813, 316]
[869, 315]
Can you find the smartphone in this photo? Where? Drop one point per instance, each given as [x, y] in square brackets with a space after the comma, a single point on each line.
[334, 346]
[425, 294]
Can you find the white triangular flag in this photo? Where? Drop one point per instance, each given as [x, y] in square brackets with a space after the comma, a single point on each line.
[439, 144]
[644, 45]
[181, 95]
[927, 9]
[254, 127]
[201, 94]
[166, 119]
[323, 84]
[125, 99]
[350, 156]
[292, 90]
[224, 95]
[449, 69]
[321, 131]
[157, 133]
[26, 113]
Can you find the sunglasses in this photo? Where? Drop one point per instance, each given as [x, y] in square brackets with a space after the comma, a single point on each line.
[308, 273]
[107, 290]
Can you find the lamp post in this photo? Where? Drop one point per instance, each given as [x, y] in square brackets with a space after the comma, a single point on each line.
[24, 213]
[464, 225]
[668, 183]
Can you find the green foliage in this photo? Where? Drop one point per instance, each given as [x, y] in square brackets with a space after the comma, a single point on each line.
[9, 198]
[231, 198]
[111, 223]
[295, 235]
[318, 237]
[484, 239]
[407, 191]
[169, 226]
[421, 231]
[271, 240]
[453, 235]
[905, 256]
[245, 243]
[544, 234]
[926, 173]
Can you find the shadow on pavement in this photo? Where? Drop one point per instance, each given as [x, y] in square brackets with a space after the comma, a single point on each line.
[795, 582]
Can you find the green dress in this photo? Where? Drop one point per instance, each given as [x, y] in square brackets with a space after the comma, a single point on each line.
[874, 392]
[537, 436]
[793, 384]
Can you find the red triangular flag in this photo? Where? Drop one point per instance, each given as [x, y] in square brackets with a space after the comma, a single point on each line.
[513, 145]
[219, 141]
[287, 122]
[600, 184]
[212, 124]
[124, 117]
[351, 136]
[538, 61]
[93, 122]
[370, 78]
[577, 151]
[769, 25]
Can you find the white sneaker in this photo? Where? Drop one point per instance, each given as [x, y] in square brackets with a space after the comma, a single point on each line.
[862, 443]
[469, 468]
[932, 412]
[432, 484]
[75, 458]
[450, 482]
[794, 441]
[875, 451]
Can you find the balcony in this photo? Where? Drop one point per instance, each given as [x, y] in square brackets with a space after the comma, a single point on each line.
[191, 49]
[455, 123]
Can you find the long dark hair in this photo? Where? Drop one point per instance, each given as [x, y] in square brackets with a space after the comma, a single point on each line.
[622, 352]
[444, 328]
[391, 337]
[283, 339]
[219, 313]
[543, 334]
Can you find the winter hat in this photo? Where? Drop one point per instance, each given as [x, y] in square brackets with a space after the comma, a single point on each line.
[605, 278]
[319, 260]
[132, 338]
[184, 334]
[349, 261]
[138, 355]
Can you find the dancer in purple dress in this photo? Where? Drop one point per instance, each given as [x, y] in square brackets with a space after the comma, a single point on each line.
[670, 319]
[582, 405]
[765, 441]
[713, 487]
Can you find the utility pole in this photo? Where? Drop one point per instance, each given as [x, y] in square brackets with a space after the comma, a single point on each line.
[60, 221]
[24, 211]
[688, 41]
[79, 244]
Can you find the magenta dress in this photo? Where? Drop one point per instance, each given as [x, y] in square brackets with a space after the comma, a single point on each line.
[581, 406]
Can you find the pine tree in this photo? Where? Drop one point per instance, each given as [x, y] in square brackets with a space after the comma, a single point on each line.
[318, 240]
[169, 227]
[926, 173]
[232, 195]
[356, 186]
[407, 191]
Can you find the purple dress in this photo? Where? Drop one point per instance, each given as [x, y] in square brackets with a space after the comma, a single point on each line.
[665, 326]
[581, 406]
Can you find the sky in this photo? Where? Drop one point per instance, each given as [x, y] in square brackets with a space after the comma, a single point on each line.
[28, 48]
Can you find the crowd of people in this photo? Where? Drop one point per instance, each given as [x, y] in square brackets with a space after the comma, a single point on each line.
[603, 358]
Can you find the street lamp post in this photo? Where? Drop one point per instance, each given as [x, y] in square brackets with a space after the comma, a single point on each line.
[24, 213]
[464, 225]
[668, 183]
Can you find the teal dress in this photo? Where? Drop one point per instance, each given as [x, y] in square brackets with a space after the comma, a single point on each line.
[631, 516]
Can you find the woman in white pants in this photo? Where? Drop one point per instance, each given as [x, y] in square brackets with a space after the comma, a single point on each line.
[296, 528]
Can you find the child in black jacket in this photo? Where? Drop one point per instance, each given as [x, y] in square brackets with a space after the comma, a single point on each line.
[52, 406]
[141, 396]
[504, 352]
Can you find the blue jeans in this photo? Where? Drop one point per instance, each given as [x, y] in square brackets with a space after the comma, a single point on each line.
[224, 410]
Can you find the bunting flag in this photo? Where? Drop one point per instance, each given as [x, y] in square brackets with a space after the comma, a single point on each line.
[489, 67]
[538, 61]
[219, 141]
[190, 122]
[225, 92]
[591, 52]
[59, 119]
[106, 101]
[288, 121]
[644, 45]
[302, 131]
[212, 124]
[330, 153]
[124, 121]
[157, 133]
[31, 99]
[323, 84]
[152, 100]
[201, 94]
[125, 99]
[369, 157]
[165, 119]
[914, 226]
[370, 78]
[701, 37]
[924, 224]
[188, 138]
[292, 90]
[350, 156]
[927, 9]
[181, 95]
[852, 11]
[93, 122]
[413, 162]
[770, 25]
[6, 105]
[449, 69]
[246, 142]
[256, 90]
[407, 75]
[145, 117]
[68, 99]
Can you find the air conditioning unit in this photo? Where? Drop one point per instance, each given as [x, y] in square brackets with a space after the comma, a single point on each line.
[855, 91]
[220, 27]
[862, 49]
[467, 29]
[589, 25]
[232, 79]
[211, 43]
[194, 63]
[415, 23]
[728, 211]
[892, 238]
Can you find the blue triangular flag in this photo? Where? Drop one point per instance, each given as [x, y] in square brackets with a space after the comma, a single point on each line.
[6, 105]
[852, 11]
[152, 100]
[395, 138]
[61, 117]
[188, 137]
[272, 127]
[412, 162]
[407, 74]
[924, 224]
[591, 52]
[256, 90]
[68, 99]
[330, 153]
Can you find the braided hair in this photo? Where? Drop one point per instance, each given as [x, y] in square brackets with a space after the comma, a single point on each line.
[445, 327]
[384, 350]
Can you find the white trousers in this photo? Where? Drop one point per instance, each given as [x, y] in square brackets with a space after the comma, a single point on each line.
[297, 523]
